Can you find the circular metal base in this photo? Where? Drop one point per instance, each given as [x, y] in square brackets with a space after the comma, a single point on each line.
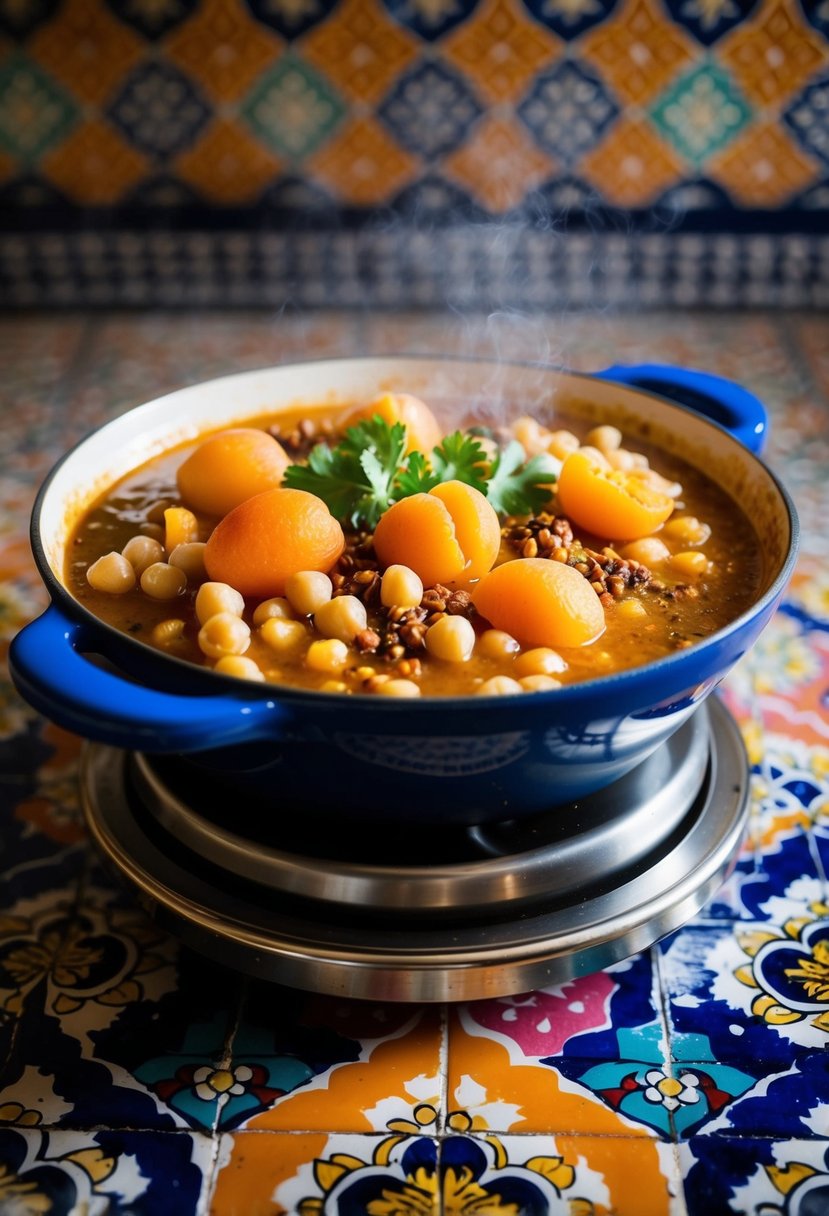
[353, 939]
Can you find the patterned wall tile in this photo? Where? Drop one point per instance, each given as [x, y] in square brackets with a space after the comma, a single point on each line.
[774, 53]
[35, 112]
[226, 165]
[222, 48]
[638, 52]
[585, 113]
[94, 165]
[431, 109]
[293, 109]
[701, 112]
[632, 167]
[568, 109]
[500, 165]
[153, 18]
[158, 109]
[709, 20]
[363, 165]
[501, 49]
[360, 48]
[763, 167]
[86, 49]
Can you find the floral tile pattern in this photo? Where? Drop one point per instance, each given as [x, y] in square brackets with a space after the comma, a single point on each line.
[690, 1080]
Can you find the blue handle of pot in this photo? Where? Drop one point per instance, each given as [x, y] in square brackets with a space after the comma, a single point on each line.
[721, 400]
[50, 670]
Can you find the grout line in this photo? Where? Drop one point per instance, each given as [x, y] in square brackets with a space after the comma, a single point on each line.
[443, 1071]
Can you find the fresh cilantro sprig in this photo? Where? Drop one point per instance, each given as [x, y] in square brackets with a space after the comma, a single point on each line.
[366, 472]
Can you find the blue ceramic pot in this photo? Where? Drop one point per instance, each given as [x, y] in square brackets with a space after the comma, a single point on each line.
[434, 759]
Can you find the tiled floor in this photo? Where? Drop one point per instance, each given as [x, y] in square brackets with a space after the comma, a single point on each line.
[691, 1080]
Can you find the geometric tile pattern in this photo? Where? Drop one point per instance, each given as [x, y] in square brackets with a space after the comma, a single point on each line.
[139, 1079]
[711, 112]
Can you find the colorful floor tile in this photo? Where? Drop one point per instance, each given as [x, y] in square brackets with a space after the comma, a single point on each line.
[691, 1080]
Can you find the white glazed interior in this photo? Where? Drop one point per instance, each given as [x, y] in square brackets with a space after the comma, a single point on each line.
[484, 387]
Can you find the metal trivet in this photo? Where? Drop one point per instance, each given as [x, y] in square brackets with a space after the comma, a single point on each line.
[476, 912]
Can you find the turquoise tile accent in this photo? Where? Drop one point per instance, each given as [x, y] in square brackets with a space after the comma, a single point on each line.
[701, 112]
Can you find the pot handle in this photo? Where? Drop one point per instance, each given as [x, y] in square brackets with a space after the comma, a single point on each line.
[721, 400]
[50, 670]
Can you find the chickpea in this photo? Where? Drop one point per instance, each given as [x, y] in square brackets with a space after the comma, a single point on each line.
[141, 552]
[650, 551]
[308, 591]
[277, 607]
[282, 635]
[240, 667]
[180, 527]
[533, 437]
[631, 609]
[452, 639]
[189, 557]
[224, 633]
[621, 459]
[690, 563]
[155, 531]
[496, 644]
[213, 598]
[541, 661]
[688, 529]
[499, 686]
[539, 683]
[163, 582]
[168, 633]
[400, 588]
[398, 688]
[605, 438]
[655, 481]
[111, 573]
[334, 686]
[343, 618]
[595, 455]
[562, 443]
[330, 655]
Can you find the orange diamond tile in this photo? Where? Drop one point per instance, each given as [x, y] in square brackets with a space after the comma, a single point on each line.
[774, 55]
[363, 166]
[633, 166]
[86, 48]
[360, 48]
[227, 166]
[638, 51]
[499, 165]
[500, 49]
[763, 168]
[94, 165]
[223, 48]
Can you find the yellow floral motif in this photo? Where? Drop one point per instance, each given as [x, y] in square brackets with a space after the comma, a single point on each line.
[814, 973]
[459, 1191]
[21, 1197]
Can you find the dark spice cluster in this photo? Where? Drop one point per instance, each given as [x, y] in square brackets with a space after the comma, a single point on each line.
[551, 536]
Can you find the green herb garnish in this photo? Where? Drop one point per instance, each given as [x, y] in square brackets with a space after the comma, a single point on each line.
[366, 472]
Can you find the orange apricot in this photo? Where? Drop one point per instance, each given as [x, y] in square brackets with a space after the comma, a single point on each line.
[608, 502]
[422, 430]
[448, 535]
[229, 467]
[267, 538]
[541, 603]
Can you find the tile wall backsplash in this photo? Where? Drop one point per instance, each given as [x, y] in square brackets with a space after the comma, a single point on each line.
[480, 153]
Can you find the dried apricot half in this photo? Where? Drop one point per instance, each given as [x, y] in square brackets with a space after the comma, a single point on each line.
[449, 535]
[608, 502]
[422, 430]
[263, 541]
[541, 603]
[229, 467]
